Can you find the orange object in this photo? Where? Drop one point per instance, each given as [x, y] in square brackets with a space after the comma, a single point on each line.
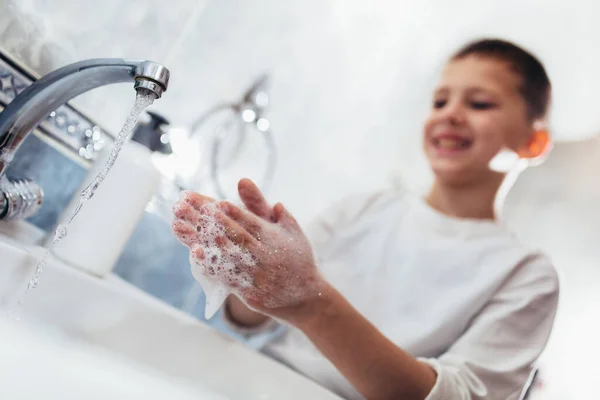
[538, 144]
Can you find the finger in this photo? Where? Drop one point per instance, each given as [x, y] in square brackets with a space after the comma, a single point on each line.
[197, 200]
[185, 232]
[193, 219]
[234, 231]
[209, 261]
[198, 252]
[254, 200]
[284, 217]
[250, 222]
[184, 211]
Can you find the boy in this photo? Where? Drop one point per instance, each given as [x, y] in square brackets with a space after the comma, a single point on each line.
[413, 298]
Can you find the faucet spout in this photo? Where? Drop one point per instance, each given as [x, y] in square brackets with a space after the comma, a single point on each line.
[21, 199]
[42, 97]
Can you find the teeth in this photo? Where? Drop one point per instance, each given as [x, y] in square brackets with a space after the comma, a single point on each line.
[452, 144]
[449, 144]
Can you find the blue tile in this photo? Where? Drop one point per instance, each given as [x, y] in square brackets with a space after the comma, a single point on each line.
[59, 177]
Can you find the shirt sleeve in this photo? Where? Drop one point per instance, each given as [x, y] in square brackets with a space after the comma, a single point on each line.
[493, 359]
[255, 337]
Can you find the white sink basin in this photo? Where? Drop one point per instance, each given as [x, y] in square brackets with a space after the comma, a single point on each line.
[35, 366]
[112, 315]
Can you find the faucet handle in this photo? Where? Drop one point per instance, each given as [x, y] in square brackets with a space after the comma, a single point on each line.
[20, 198]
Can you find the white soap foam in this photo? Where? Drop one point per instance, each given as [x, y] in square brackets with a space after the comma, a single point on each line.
[223, 267]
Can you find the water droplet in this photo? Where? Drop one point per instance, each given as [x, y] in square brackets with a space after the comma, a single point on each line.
[61, 233]
[87, 194]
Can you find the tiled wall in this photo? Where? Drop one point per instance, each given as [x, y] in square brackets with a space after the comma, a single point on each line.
[58, 175]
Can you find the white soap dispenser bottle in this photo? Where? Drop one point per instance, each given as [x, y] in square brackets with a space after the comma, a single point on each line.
[98, 234]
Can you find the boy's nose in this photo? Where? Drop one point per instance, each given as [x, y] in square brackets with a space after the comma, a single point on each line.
[454, 115]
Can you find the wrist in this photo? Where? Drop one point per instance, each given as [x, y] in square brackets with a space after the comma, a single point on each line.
[315, 310]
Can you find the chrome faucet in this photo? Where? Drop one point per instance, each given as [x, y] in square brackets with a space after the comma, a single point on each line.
[22, 198]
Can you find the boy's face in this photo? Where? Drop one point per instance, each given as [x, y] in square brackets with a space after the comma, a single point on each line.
[477, 111]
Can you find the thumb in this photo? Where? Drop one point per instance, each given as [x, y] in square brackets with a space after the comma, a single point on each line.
[254, 200]
[284, 217]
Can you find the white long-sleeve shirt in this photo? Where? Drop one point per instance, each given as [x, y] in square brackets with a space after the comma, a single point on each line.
[463, 296]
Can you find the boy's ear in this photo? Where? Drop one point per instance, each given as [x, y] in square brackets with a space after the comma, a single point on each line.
[536, 145]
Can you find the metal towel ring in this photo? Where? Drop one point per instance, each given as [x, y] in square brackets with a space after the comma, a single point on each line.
[249, 111]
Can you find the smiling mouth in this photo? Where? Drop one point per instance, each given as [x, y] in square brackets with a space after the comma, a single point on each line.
[451, 143]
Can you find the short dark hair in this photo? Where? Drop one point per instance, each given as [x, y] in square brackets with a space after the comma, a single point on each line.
[535, 88]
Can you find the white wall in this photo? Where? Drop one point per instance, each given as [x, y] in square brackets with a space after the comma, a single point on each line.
[350, 86]
[556, 207]
[350, 79]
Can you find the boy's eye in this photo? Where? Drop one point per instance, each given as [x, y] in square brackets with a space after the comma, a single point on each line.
[482, 105]
[439, 104]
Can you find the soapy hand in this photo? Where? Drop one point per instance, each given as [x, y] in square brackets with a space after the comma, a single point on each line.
[259, 253]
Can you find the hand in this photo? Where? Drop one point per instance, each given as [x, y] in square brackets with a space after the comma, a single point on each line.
[263, 256]
[236, 310]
